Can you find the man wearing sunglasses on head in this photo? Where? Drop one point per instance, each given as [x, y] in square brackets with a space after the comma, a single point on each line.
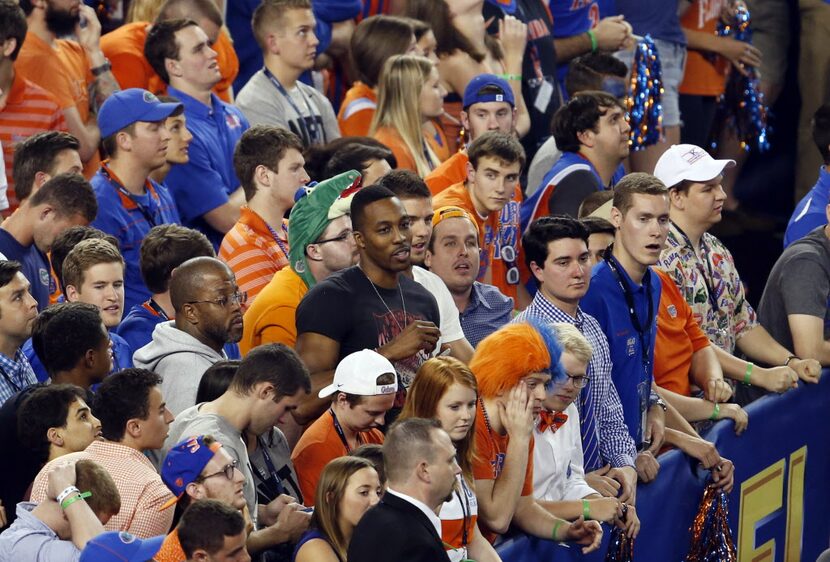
[208, 307]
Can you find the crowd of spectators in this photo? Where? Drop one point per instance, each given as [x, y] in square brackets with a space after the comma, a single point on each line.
[313, 280]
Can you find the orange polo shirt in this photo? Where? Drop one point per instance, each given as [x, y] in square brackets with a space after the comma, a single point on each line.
[678, 337]
[319, 444]
[124, 47]
[63, 71]
[271, 318]
[252, 253]
[357, 110]
[494, 232]
[29, 109]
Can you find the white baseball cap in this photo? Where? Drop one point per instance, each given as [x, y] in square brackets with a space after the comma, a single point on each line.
[357, 374]
[688, 162]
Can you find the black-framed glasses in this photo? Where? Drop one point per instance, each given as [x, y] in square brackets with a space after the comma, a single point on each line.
[227, 471]
[579, 381]
[239, 297]
[340, 238]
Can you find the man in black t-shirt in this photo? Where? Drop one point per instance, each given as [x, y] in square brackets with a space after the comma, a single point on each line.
[370, 306]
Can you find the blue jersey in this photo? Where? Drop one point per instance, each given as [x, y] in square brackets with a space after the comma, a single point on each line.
[811, 211]
[542, 202]
[632, 351]
[129, 218]
[572, 17]
[35, 268]
[208, 179]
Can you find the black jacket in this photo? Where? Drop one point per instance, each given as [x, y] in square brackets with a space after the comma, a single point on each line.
[395, 530]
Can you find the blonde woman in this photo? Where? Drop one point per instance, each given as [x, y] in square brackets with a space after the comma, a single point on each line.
[410, 98]
[348, 487]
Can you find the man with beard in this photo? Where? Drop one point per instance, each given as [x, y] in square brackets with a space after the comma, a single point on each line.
[417, 202]
[208, 307]
[74, 71]
[370, 306]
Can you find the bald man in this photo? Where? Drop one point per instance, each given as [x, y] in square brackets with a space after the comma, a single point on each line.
[208, 308]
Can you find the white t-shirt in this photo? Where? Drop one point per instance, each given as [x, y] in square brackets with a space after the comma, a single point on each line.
[450, 319]
[558, 472]
[454, 515]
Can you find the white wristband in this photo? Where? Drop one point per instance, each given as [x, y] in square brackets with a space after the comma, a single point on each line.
[63, 495]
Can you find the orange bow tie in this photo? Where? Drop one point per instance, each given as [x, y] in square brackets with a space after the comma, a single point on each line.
[551, 420]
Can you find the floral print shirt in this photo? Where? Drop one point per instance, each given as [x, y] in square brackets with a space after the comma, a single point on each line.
[709, 281]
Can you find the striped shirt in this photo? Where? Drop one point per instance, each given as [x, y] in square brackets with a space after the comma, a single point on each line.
[29, 109]
[141, 489]
[252, 252]
[615, 443]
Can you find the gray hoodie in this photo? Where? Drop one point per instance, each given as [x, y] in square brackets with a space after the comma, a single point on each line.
[180, 359]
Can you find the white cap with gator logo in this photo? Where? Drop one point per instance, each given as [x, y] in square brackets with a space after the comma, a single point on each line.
[357, 374]
[688, 162]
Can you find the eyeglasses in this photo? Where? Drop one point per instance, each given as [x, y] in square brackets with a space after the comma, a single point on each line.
[227, 471]
[341, 238]
[580, 381]
[239, 297]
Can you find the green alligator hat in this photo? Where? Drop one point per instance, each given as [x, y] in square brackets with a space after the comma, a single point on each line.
[312, 213]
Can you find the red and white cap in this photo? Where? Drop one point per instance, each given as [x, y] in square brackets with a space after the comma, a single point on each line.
[357, 374]
[688, 162]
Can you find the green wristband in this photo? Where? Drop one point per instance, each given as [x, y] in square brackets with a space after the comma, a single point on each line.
[556, 528]
[715, 412]
[586, 510]
[517, 77]
[69, 501]
[748, 374]
[593, 37]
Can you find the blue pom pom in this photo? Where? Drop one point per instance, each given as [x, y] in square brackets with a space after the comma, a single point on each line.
[741, 107]
[644, 101]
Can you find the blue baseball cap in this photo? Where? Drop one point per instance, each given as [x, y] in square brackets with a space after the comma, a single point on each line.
[184, 463]
[473, 93]
[120, 546]
[129, 106]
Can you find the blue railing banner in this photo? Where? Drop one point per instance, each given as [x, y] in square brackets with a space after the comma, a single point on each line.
[779, 507]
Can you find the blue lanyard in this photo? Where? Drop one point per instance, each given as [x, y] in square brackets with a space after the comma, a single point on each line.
[308, 128]
[709, 280]
[149, 216]
[641, 330]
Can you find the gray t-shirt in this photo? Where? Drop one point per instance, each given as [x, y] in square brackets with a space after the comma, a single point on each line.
[277, 453]
[191, 422]
[799, 283]
[302, 110]
[547, 155]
